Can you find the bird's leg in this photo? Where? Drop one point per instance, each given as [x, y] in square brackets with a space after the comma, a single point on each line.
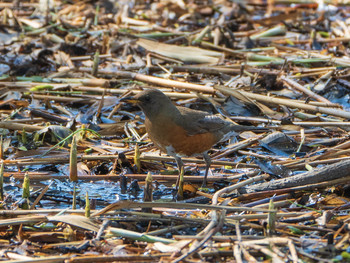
[207, 161]
[179, 167]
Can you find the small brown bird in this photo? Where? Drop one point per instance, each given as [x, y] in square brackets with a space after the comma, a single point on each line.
[180, 131]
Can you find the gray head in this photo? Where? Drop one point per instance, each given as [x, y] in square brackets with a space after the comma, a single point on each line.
[152, 102]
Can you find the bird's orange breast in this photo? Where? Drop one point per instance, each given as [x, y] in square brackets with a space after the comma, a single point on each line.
[165, 134]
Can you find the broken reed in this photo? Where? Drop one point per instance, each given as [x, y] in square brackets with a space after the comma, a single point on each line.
[73, 169]
[148, 192]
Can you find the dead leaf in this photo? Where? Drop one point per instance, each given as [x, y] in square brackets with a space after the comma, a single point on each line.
[186, 54]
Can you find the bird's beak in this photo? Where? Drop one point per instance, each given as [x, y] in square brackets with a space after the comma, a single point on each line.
[129, 100]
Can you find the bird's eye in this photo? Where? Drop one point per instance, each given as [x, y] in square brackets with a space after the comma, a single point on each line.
[147, 98]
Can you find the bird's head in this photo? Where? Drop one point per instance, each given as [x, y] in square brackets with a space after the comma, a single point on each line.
[152, 102]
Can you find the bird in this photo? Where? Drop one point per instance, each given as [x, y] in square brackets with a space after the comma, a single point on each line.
[180, 131]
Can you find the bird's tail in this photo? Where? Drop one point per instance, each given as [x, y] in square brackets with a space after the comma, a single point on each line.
[242, 128]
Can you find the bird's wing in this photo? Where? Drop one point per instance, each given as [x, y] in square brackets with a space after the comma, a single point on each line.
[197, 122]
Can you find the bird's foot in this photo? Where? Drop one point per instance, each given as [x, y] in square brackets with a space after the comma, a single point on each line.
[204, 184]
